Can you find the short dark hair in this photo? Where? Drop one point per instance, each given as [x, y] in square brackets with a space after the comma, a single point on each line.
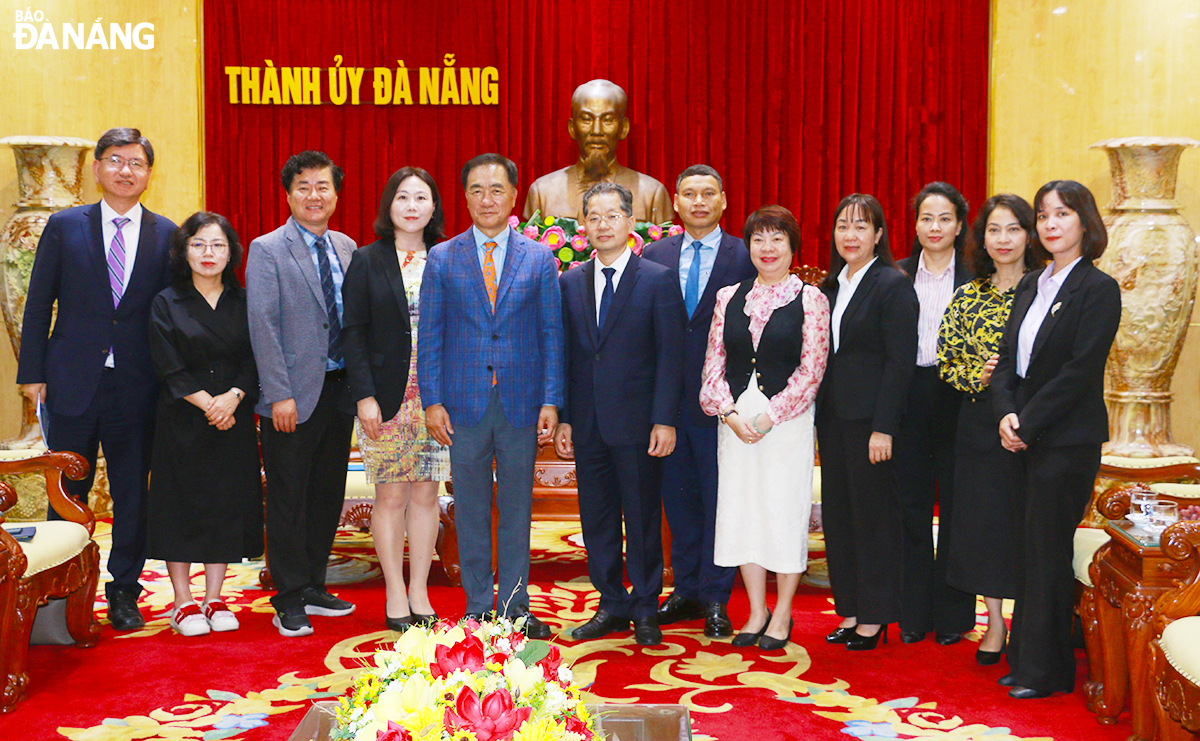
[385, 228]
[950, 193]
[773, 219]
[491, 158]
[868, 206]
[1079, 199]
[985, 267]
[603, 187]
[701, 170]
[121, 137]
[310, 159]
[179, 271]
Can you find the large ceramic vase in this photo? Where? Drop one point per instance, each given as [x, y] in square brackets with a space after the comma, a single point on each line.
[1152, 254]
[49, 179]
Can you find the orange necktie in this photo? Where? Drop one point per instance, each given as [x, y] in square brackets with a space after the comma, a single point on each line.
[489, 281]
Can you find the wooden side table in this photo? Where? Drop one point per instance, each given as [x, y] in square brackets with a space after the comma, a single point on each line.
[1131, 572]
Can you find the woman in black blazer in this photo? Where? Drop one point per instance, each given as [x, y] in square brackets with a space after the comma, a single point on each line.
[381, 304]
[872, 356]
[1048, 393]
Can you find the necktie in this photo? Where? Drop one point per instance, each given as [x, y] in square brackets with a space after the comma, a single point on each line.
[335, 322]
[116, 262]
[489, 272]
[606, 297]
[691, 293]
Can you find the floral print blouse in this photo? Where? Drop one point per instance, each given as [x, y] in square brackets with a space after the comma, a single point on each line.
[971, 331]
[801, 390]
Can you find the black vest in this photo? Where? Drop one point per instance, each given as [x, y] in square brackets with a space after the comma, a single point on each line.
[779, 349]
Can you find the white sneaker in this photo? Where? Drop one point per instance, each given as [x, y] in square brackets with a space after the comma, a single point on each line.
[189, 621]
[220, 618]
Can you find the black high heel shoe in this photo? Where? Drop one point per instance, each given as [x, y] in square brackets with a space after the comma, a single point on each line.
[742, 640]
[859, 642]
[399, 624]
[425, 621]
[770, 643]
[841, 635]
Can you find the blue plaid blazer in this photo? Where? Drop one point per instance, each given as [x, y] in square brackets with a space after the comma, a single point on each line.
[461, 342]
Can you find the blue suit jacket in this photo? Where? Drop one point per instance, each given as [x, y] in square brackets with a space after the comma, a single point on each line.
[70, 267]
[462, 342]
[628, 375]
[732, 266]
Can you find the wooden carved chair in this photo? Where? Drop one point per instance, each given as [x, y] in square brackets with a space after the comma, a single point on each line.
[61, 560]
[1175, 652]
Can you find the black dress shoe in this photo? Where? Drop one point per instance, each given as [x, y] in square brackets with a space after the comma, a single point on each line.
[742, 640]
[399, 624]
[535, 628]
[123, 611]
[677, 608]
[912, 636]
[770, 643]
[1008, 680]
[646, 631]
[841, 635]
[601, 624]
[1027, 693]
[947, 639]
[860, 642]
[716, 621]
[425, 621]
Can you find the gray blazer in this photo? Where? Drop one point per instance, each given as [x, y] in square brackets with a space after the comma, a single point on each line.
[287, 317]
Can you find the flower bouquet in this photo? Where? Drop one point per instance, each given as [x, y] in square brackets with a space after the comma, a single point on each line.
[466, 682]
[567, 240]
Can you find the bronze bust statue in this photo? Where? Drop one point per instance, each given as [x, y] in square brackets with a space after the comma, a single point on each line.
[597, 124]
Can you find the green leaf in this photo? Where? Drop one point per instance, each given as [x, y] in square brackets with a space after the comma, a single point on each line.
[533, 652]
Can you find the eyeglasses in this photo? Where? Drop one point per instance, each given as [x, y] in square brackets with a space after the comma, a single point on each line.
[613, 219]
[198, 247]
[118, 163]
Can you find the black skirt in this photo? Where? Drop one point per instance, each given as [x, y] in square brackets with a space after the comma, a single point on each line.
[987, 481]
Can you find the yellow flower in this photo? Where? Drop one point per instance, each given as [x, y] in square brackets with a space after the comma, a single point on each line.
[371, 730]
[544, 729]
[426, 718]
[522, 677]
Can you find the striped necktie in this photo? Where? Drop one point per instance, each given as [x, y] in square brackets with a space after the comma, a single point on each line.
[116, 262]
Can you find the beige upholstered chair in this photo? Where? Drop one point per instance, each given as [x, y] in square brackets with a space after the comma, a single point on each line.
[1175, 653]
[60, 561]
[1088, 540]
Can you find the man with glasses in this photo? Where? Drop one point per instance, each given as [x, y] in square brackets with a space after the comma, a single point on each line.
[294, 302]
[489, 364]
[104, 264]
[623, 321]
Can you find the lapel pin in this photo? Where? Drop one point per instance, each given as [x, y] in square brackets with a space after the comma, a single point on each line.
[1054, 309]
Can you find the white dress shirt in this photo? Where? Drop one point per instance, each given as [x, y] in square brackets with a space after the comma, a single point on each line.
[130, 234]
[933, 293]
[846, 289]
[1048, 285]
[598, 279]
[498, 252]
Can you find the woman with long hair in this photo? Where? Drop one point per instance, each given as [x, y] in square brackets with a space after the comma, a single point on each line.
[382, 298]
[1048, 393]
[873, 332]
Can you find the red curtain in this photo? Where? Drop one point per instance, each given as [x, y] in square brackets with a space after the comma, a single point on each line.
[796, 103]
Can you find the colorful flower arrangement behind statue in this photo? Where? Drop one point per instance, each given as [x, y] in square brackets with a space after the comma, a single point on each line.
[567, 240]
[468, 682]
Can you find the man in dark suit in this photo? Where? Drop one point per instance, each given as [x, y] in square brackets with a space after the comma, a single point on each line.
[624, 341]
[489, 364]
[705, 259]
[103, 264]
[294, 305]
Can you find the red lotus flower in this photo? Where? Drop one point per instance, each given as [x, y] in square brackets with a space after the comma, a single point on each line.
[551, 663]
[674, 229]
[495, 719]
[574, 725]
[394, 732]
[466, 654]
[655, 232]
[513, 221]
[636, 243]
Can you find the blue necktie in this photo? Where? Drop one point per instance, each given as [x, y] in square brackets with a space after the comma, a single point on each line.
[691, 294]
[335, 322]
[606, 297]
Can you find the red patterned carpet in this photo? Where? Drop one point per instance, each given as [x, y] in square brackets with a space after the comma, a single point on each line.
[255, 685]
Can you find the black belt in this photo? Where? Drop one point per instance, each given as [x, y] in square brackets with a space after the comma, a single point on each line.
[336, 374]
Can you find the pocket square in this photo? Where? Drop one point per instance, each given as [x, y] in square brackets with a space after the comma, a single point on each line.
[1054, 309]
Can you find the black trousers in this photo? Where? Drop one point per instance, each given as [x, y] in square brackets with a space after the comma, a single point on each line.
[689, 497]
[615, 482]
[127, 436]
[864, 537]
[1058, 486]
[306, 486]
[924, 455]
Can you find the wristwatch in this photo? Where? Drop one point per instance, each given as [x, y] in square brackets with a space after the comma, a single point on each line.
[238, 394]
[724, 416]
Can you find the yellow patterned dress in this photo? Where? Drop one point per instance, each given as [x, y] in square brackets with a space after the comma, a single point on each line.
[405, 451]
[987, 481]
